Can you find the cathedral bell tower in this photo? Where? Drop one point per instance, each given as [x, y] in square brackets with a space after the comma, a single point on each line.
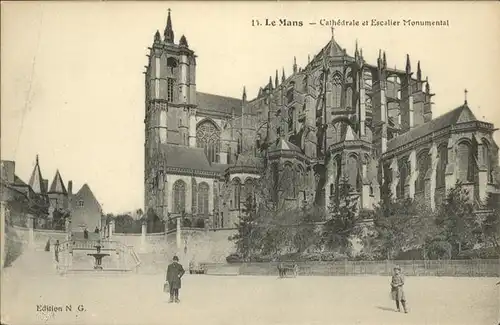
[170, 101]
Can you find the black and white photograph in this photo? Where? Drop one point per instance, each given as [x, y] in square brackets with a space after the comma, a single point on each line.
[253, 163]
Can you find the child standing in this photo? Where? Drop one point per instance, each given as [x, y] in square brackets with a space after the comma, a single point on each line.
[397, 291]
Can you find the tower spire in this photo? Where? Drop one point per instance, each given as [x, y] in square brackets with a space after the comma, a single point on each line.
[427, 86]
[384, 61]
[294, 64]
[244, 93]
[169, 32]
[465, 95]
[408, 65]
[419, 72]
[276, 80]
[283, 78]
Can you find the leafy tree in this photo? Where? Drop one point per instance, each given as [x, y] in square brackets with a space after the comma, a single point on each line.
[124, 223]
[491, 224]
[248, 237]
[343, 220]
[457, 220]
[400, 225]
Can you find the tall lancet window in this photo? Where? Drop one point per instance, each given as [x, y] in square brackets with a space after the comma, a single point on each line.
[487, 158]
[208, 138]
[203, 199]
[336, 90]
[194, 197]
[179, 199]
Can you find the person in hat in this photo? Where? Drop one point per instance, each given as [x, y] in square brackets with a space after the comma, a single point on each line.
[175, 271]
[397, 291]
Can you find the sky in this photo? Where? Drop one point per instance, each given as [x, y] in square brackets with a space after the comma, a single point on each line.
[72, 88]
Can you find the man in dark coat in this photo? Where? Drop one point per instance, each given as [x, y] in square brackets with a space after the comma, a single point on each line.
[175, 271]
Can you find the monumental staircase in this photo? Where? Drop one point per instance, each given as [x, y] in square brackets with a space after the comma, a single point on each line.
[80, 255]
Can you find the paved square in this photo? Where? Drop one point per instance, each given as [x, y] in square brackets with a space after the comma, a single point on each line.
[219, 300]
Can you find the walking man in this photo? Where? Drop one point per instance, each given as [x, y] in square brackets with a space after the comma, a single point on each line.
[175, 271]
[397, 291]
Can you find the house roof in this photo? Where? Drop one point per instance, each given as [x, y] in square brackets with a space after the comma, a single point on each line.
[218, 103]
[57, 185]
[458, 115]
[86, 192]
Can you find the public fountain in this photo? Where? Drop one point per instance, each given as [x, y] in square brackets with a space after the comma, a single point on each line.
[98, 257]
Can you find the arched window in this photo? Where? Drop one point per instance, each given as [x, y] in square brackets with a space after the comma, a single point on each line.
[301, 182]
[465, 162]
[179, 201]
[288, 184]
[441, 167]
[403, 175]
[291, 119]
[216, 195]
[349, 99]
[337, 90]
[203, 199]
[194, 190]
[236, 193]
[487, 158]
[352, 170]
[249, 190]
[332, 189]
[423, 163]
[208, 138]
[229, 155]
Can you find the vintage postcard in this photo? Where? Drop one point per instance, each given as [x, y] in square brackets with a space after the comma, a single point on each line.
[256, 163]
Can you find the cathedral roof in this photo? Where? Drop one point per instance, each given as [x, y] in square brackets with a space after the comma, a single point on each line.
[36, 181]
[218, 103]
[248, 160]
[57, 185]
[187, 157]
[458, 115]
[282, 144]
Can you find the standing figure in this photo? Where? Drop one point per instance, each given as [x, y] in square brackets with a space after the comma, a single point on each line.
[397, 291]
[56, 250]
[86, 234]
[175, 271]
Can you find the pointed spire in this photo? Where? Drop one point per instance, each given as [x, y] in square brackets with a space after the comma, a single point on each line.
[270, 84]
[183, 41]
[427, 86]
[244, 97]
[157, 37]
[379, 60]
[308, 58]
[36, 181]
[356, 52]
[169, 32]
[465, 95]
[408, 65]
[283, 78]
[384, 61]
[276, 80]
[57, 185]
[419, 72]
[361, 52]
[294, 64]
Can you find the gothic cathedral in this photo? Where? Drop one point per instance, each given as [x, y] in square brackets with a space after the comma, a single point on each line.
[338, 119]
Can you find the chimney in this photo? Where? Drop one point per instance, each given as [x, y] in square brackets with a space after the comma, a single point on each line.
[70, 188]
[8, 170]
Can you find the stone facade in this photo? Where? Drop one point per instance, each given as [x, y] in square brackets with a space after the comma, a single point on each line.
[339, 118]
